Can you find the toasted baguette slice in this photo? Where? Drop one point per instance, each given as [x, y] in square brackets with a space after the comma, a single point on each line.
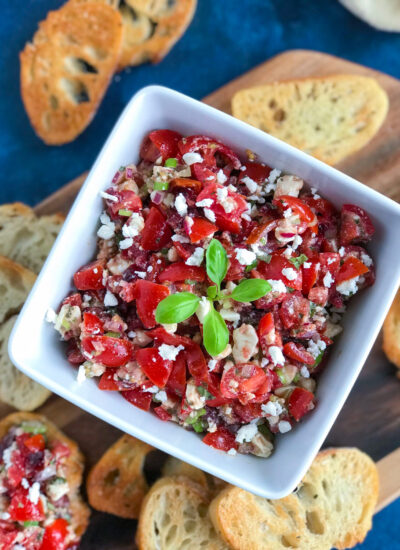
[332, 508]
[175, 467]
[329, 118]
[174, 517]
[391, 332]
[116, 484]
[15, 284]
[26, 238]
[73, 465]
[65, 71]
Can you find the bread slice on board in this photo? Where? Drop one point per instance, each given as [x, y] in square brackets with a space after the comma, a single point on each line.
[116, 484]
[174, 517]
[73, 465]
[329, 117]
[26, 238]
[15, 284]
[67, 67]
[391, 332]
[332, 508]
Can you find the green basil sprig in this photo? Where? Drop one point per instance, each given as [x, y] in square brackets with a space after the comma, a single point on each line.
[216, 262]
[176, 308]
[215, 332]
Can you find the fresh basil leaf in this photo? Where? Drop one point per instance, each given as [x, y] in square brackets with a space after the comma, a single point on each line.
[212, 292]
[31, 523]
[318, 360]
[250, 289]
[198, 427]
[251, 266]
[215, 333]
[216, 262]
[298, 261]
[313, 308]
[176, 308]
[197, 414]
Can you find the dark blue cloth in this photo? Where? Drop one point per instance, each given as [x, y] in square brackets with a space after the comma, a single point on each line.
[226, 38]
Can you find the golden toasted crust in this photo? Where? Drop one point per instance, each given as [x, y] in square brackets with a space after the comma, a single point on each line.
[175, 467]
[116, 484]
[391, 332]
[329, 117]
[65, 71]
[73, 465]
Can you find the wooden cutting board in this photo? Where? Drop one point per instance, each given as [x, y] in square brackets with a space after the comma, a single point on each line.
[370, 419]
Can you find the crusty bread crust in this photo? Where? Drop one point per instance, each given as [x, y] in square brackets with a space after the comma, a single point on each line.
[391, 332]
[74, 464]
[116, 484]
[17, 281]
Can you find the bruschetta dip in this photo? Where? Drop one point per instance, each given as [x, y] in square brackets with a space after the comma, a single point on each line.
[217, 289]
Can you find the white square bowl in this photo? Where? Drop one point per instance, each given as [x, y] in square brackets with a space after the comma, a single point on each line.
[35, 348]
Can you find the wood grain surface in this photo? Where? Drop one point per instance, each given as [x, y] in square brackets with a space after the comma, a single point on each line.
[370, 418]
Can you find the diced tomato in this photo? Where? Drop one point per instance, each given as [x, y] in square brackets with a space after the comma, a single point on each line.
[128, 292]
[207, 175]
[156, 233]
[16, 471]
[361, 254]
[355, 225]
[255, 171]
[60, 450]
[295, 311]
[324, 210]
[185, 183]
[329, 263]
[154, 366]
[179, 271]
[90, 277]
[247, 412]
[177, 379]
[184, 250]
[158, 143]
[352, 267]
[222, 439]
[273, 270]
[107, 381]
[73, 300]
[300, 402]
[262, 229]
[55, 535]
[107, 350]
[74, 355]
[201, 229]
[208, 148]
[162, 413]
[23, 509]
[126, 200]
[226, 221]
[298, 207]
[148, 296]
[36, 443]
[92, 324]
[297, 352]
[246, 382]
[8, 535]
[139, 398]
[267, 334]
[310, 275]
[319, 295]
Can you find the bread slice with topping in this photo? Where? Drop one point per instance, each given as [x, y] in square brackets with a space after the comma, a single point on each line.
[116, 484]
[26, 238]
[174, 517]
[67, 67]
[391, 332]
[329, 117]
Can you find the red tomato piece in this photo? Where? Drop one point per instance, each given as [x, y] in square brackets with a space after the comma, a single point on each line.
[324, 210]
[208, 147]
[16, 471]
[204, 173]
[222, 439]
[261, 230]
[310, 275]
[126, 200]
[107, 350]
[267, 334]
[273, 270]
[295, 311]
[352, 267]
[185, 183]
[138, 397]
[23, 509]
[319, 295]
[179, 271]
[330, 263]
[92, 324]
[154, 366]
[201, 229]
[55, 535]
[35, 443]
[90, 276]
[160, 142]
[8, 535]
[355, 225]
[73, 300]
[162, 413]
[148, 296]
[300, 402]
[177, 379]
[156, 233]
[246, 382]
[297, 352]
[247, 412]
[128, 292]
[255, 171]
[226, 221]
[299, 207]
[107, 382]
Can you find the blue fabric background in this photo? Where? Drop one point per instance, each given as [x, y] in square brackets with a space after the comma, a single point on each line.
[226, 38]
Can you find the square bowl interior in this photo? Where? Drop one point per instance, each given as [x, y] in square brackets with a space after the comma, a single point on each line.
[37, 351]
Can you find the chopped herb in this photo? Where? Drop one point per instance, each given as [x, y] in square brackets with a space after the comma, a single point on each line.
[204, 393]
[290, 289]
[318, 360]
[298, 261]
[113, 334]
[313, 308]
[164, 251]
[195, 420]
[33, 428]
[281, 376]
[198, 426]
[171, 162]
[296, 378]
[190, 282]
[161, 185]
[66, 324]
[125, 213]
[251, 266]
[31, 523]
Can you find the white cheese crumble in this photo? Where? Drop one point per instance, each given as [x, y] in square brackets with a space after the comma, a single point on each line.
[315, 348]
[276, 355]
[169, 353]
[109, 197]
[245, 343]
[221, 178]
[245, 257]
[181, 205]
[34, 493]
[289, 273]
[274, 175]
[209, 214]
[204, 202]
[277, 285]
[161, 396]
[232, 452]
[106, 231]
[328, 280]
[296, 242]
[342, 251]
[180, 238]
[284, 426]
[304, 372]
[366, 260]
[81, 376]
[141, 274]
[196, 258]
[24, 483]
[51, 315]
[212, 364]
[192, 158]
[126, 243]
[307, 265]
[230, 315]
[110, 300]
[349, 287]
[246, 433]
[273, 408]
[134, 226]
[222, 193]
[250, 184]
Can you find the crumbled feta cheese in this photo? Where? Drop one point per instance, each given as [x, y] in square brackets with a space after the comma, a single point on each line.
[272, 408]
[212, 426]
[304, 372]
[296, 242]
[192, 158]
[134, 226]
[276, 355]
[289, 273]
[141, 274]
[212, 364]
[366, 260]
[81, 376]
[193, 397]
[106, 231]
[180, 238]
[250, 184]
[342, 251]
[246, 433]
[5, 516]
[277, 285]
[284, 426]
[196, 258]
[202, 309]
[222, 193]
[161, 396]
[24, 483]
[170, 327]
[245, 343]
[349, 287]
[274, 175]
[204, 202]
[307, 265]
[209, 214]
[288, 185]
[57, 489]
[126, 243]
[107, 196]
[181, 205]
[315, 348]
[245, 257]
[131, 334]
[221, 178]
[287, 213]
[232, 452]
[328, 280]
[110, 300]
[51, 315]
[314, 191]
[169, 353]
[230, 315]
[153, 389]
[34, 493]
